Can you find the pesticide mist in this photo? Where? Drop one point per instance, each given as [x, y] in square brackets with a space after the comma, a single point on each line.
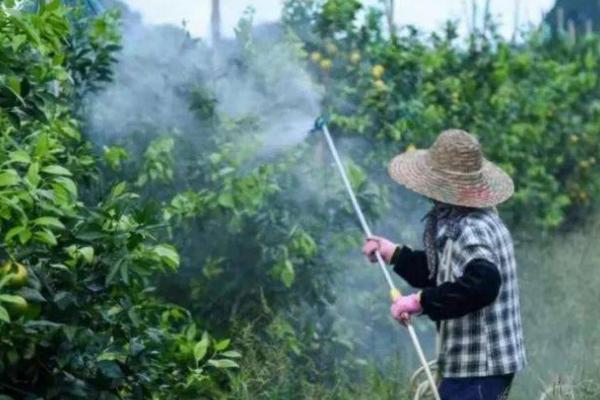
[259, 75]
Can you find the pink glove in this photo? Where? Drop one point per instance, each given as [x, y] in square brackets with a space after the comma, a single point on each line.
[405, 306]
[385, 247]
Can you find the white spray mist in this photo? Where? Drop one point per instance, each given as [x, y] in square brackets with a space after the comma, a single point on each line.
[159, 65]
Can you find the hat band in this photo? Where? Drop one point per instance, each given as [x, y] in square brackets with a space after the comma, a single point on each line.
[457, 173]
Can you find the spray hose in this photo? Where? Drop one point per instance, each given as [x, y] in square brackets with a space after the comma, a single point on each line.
[321, 125]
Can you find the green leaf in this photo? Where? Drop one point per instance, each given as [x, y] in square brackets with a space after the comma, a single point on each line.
[14, 84]
[49, 221]
[10, 298]
[62, 197]
[22, 232]
[168, 254]
[287, 274]
[67, 184]
[57, 170]
[190, 333]
[223, 363]
[42, 146]
[53, 5]
[114, 155]
[134, 317]
[4, 314]
[111, 356]
[24, 236]
[124, 273]
[231, 354]
[110, 369]
[201, 347]
[31, 294]
[9, 177]
[14, 232]
[63, 299]
[60, 267]
[87, 253]
[222, 345]
[5, 279]
[45, 236]
[226, 200]
[17, 40]
[118, 189]
[113, 271]
[33, 174]
[20, 156]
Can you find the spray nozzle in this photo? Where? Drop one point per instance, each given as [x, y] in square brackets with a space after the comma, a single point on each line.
[320, 123]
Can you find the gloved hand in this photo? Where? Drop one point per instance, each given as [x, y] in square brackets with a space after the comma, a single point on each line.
[405, 306]
[386, 248]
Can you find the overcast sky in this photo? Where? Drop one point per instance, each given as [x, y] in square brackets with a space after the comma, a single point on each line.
[426, 14]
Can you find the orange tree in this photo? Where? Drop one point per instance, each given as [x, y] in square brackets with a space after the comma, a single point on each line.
[253, 228]
[78, 313]
[533, 104]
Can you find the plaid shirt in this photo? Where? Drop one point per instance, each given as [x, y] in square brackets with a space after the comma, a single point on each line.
[489, 341]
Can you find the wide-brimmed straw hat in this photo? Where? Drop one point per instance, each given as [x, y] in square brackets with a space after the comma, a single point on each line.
[453, 171]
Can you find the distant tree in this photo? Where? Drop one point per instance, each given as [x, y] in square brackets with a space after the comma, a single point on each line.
[583, 15]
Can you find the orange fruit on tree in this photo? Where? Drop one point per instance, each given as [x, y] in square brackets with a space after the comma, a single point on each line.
[19, 270]
[326, 64]
[378, 71]
[355, 57]
[16, 310]
[380, 85]
[24, 309]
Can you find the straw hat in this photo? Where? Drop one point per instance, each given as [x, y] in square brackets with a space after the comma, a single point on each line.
[453, 171]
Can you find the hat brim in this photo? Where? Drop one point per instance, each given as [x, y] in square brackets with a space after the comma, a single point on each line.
[487, 188]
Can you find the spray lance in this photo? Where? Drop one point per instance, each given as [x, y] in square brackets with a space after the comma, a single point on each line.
[321, 125]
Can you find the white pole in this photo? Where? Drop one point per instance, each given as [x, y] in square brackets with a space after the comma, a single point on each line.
[388, 278]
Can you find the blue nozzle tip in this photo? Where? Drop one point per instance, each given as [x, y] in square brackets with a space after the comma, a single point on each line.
[320, 123]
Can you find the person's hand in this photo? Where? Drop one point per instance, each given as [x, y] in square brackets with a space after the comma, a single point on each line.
[406, 306]
[385, 247]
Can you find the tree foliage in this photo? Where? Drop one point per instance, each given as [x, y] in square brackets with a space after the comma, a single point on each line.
[78, 312]
[533, 105]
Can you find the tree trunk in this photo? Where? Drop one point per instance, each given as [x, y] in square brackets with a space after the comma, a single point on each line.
[390, 6]
[215, 22]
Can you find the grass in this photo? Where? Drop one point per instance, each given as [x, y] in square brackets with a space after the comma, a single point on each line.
[559, 281]
[268, 372]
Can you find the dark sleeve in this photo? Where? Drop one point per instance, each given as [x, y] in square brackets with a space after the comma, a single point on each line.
[478, 287]
[411, 265]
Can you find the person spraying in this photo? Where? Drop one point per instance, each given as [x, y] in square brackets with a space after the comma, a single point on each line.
[467, 271]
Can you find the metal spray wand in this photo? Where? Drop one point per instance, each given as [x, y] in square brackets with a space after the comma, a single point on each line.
[320, 125]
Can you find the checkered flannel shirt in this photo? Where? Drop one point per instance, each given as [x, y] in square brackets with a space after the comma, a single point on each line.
[489, 341]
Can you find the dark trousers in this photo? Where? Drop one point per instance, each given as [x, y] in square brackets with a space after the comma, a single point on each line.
[479, 388]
